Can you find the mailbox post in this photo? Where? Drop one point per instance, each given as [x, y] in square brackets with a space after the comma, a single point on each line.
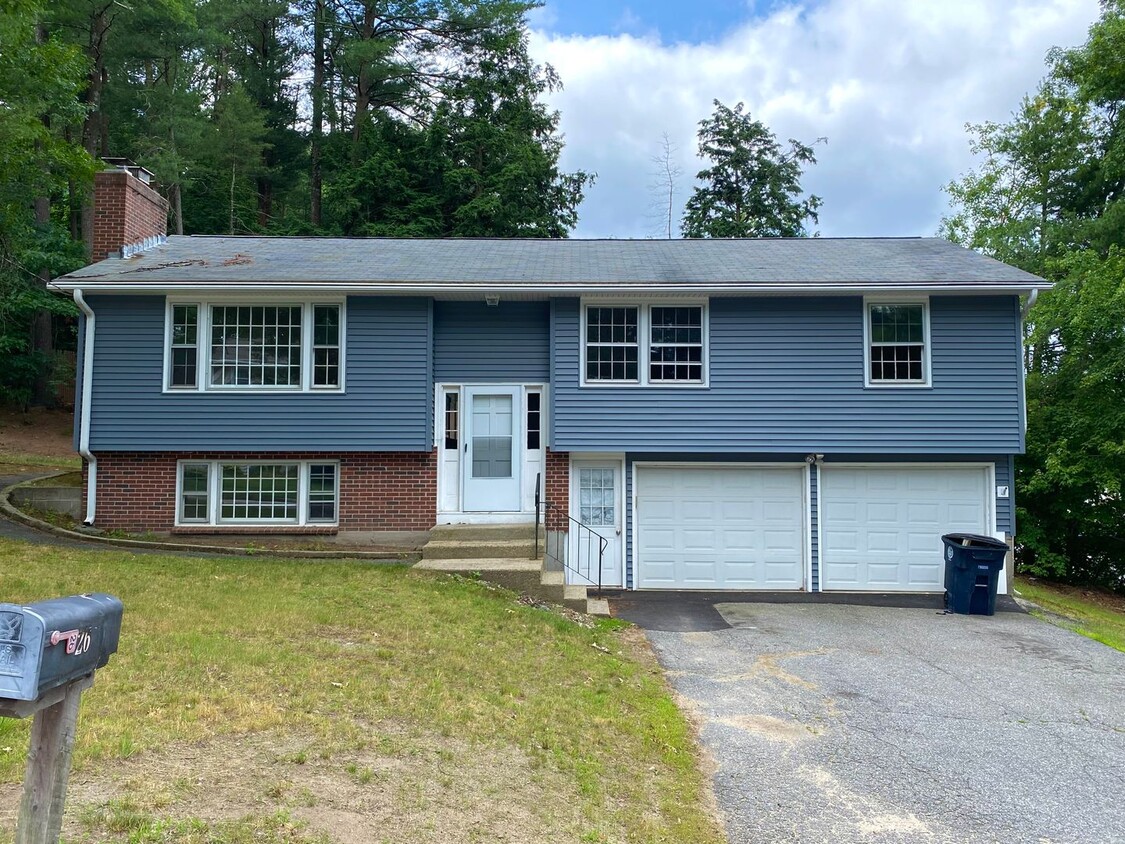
[49, 652]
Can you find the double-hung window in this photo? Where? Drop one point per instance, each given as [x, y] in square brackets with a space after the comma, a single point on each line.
[658, 345]
[247, 346]
[897, 343]
[222, 492]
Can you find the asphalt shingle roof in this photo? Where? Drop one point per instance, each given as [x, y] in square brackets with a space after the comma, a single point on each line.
[515, 263]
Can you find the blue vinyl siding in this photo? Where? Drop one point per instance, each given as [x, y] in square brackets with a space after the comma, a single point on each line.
[388, 403]
[787, 374]
[507, 342]
[1004, 507]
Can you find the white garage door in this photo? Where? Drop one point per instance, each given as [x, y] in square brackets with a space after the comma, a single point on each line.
[720, 527]
[881, 527]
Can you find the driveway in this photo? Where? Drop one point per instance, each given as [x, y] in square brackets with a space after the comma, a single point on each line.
[836, 723]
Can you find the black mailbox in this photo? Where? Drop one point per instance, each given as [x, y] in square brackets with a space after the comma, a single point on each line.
[47, 644]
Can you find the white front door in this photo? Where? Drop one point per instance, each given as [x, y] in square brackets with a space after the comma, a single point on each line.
[597, 505]
[493, 464]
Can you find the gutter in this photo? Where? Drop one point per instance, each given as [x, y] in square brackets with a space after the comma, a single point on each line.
[478, 288]
[84, 408]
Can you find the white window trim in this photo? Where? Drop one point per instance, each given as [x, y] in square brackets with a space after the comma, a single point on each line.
[644, 338]
[927, 342]
[214, 494]
[203, 345]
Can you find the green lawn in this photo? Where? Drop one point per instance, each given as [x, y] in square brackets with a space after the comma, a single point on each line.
[17, 463]
[1099, 615]
[270, 700]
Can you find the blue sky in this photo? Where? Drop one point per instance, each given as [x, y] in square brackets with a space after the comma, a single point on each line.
[890, 83]
[697, 21]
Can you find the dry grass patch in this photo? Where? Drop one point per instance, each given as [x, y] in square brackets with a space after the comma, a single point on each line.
[337, 696]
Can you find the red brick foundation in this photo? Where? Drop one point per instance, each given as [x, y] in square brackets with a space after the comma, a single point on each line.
[558, 490]
[378, 490]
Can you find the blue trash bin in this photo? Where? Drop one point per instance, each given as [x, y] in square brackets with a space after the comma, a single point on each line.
[972, 572]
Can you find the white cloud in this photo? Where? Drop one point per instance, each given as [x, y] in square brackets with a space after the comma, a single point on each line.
[890, 83]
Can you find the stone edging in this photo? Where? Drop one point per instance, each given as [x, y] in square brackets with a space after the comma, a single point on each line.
[13, 512]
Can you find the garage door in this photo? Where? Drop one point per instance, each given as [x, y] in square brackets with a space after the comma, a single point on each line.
[720, 528]
[881, 527]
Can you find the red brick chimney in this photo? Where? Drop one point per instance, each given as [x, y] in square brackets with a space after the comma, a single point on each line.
[129, 215]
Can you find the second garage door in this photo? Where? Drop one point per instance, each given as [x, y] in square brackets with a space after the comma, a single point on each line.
[729, 527]
[881, 527]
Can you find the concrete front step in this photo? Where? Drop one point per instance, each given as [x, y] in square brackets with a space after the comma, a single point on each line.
[479, 532]
[447, 549]
[525, 576]
[509, 572]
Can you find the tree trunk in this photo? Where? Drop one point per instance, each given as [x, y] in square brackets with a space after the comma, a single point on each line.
[42, 336]
[232, 176]
[363, 83]
[265, 201]
[315, 183]
[94, 131]
[177, 209]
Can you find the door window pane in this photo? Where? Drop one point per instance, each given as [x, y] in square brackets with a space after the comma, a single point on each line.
[534, 403]
[597, 498]
[452, 400]
[492, 436]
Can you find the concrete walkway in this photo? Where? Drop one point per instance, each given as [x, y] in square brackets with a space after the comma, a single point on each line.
[836, 724]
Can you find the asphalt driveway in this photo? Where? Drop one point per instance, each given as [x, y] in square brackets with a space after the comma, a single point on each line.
[836, 723]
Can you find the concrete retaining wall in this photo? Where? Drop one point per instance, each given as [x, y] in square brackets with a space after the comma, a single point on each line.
[57, 499]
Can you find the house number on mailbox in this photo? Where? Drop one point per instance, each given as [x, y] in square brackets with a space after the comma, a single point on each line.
[77, 641]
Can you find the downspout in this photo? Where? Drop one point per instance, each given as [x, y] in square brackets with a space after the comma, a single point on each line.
[1031, 297]
[84, 409]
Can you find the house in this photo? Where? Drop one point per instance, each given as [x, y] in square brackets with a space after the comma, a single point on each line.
[807, 414]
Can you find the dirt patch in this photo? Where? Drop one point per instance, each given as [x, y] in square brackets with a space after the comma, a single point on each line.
[408, 786]
[48, 433]
[774, 729]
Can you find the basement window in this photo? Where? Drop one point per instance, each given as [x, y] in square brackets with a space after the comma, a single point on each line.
[257, 493]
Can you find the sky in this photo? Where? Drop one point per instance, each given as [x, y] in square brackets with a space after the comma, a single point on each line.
[890, 85]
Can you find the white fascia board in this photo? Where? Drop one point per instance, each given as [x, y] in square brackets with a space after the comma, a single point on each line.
[92, 285]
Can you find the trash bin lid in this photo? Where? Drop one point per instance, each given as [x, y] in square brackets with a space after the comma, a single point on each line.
[974, 540]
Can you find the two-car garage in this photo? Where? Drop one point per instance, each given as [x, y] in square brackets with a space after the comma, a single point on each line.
[746, 527]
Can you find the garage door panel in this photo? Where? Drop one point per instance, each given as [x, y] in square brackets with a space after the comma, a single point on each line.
[720, 527]
[962, 514]
[881, 526]
[922, 513]
[879, 540]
